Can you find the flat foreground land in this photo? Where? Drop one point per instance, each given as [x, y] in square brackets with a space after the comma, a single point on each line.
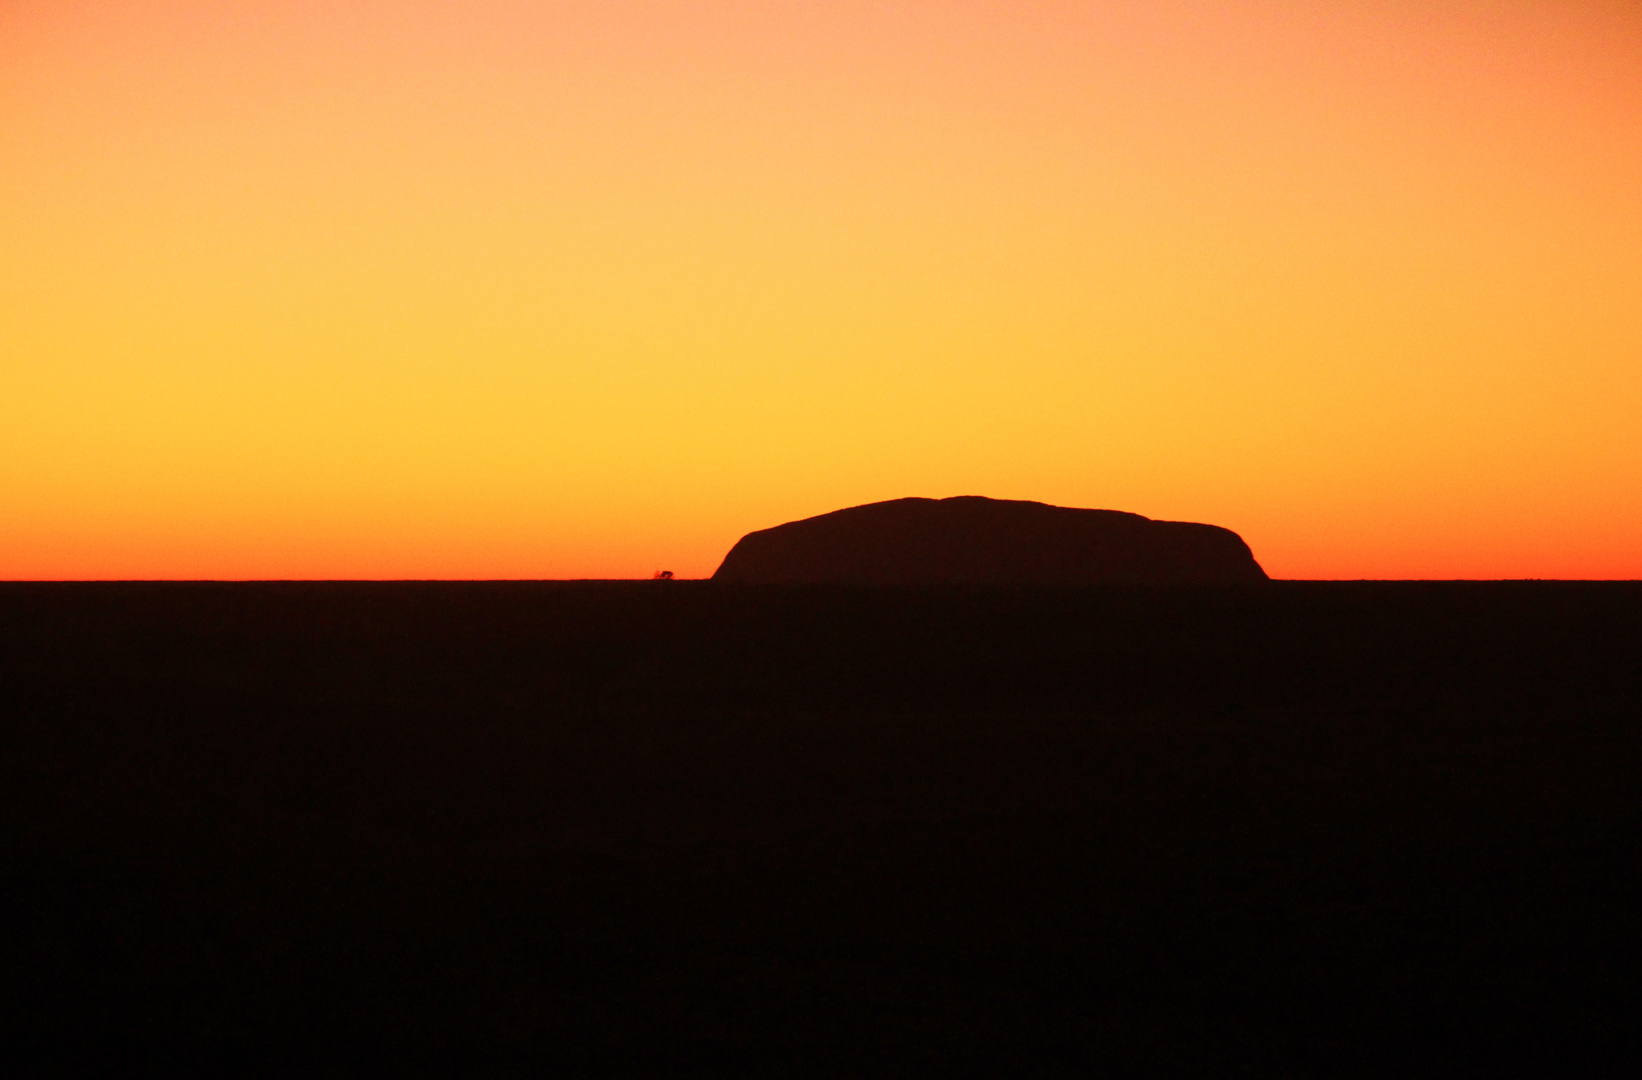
[695, 829]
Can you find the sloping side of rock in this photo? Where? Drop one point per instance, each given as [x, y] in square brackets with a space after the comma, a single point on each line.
[975, 540]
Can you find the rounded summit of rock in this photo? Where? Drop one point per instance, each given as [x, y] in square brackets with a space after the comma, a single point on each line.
[973, 540]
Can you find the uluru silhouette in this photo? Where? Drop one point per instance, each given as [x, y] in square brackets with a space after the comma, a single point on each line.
[971, 539]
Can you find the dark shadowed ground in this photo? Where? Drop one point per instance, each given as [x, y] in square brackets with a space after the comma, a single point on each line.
[698, 829]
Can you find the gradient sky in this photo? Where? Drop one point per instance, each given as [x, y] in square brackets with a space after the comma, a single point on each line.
[503, 289]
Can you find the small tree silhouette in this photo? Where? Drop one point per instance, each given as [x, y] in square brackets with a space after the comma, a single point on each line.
[664, 575]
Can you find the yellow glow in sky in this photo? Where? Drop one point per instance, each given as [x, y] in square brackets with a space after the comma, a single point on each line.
[506, 289]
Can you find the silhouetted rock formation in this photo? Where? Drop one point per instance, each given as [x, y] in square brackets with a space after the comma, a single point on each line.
[975, 540]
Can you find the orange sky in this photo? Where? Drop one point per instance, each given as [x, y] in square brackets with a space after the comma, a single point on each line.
[499, 288]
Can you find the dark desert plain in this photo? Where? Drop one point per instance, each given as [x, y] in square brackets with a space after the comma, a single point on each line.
[698, 828]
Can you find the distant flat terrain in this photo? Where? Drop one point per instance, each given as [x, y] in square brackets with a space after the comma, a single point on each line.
[691, 828]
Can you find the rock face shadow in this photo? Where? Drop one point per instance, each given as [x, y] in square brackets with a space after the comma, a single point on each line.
[973, 540]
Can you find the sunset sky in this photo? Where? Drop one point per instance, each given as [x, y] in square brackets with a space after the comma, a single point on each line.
[492, 288]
